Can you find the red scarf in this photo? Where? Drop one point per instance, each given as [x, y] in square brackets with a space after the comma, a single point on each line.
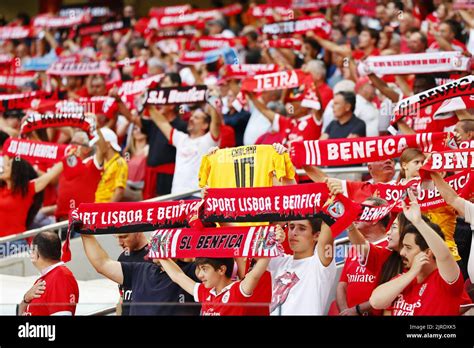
[241, 71]
[35, 121]
[108, 218]
[318, 24]
[409, 107]
[95, 105]
[35, 152]
[340, 152]
[215, 242]
[48, 21]
[139, 86]
[269, 12]
[20, 100]
[79, 69]
[169, 10]
[274, 81]
[16, 33]
[15, 81]
[104, 28]
[207, 43]
[284, 43]
[419, 63]
[450, 161]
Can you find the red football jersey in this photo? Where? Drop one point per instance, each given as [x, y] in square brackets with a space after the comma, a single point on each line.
[362, 276]
[304, 128]
[227, 302]
[61, 293]
[431, 297]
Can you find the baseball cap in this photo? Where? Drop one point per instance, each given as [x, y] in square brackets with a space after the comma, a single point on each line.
[109, 137]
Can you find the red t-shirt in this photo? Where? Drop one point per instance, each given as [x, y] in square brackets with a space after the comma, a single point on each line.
[61, 293]
[77, 184]
[362, 276]
[359, 54]
[14, 210]
[226, 303]
[326, 94]
[425, 121]
[262, 295]
[227, 136]
[431, 297]
[303, 128]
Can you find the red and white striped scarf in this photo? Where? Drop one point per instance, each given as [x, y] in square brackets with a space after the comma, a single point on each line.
[255, 241]
[318, 24]
[339, 152]
[79, 69]
[419, 63]
[434, 97]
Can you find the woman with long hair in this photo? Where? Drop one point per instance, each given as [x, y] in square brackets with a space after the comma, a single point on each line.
[136, 154]
[21, 194]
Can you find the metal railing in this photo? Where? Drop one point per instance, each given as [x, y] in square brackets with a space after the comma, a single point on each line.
[63, 224]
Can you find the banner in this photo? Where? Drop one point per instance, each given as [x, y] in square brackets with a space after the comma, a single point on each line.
[318, 24]
[215, 242]
[48, 21]
[109, 218]
[79, 69]
[434, 97]
[415, 63]
[36, 120]
[450, 161]
[340, 152]
[35, 152]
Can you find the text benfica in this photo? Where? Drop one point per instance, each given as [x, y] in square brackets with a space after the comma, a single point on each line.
[150, 215]
[452, 160]
[223, 241]
[268, 204]
[175, 96]
[33, 149]
[365, 148]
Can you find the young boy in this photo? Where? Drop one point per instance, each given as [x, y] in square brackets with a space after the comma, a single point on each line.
[217, 293]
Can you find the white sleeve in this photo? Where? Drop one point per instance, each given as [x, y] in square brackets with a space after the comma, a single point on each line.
[196, 292]
[276, 123]
[177, 137]
[469, 213]
[62, 313]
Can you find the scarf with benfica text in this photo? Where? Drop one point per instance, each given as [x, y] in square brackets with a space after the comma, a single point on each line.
[35, 151]
[436, 98]
[419, 63]
[36, 120]
[255, 241]
[340, 152]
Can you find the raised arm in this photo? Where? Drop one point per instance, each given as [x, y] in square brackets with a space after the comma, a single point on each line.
[123, 109]
[161, 122]
[100, 260]
[383, 87]
[448, 194]
[216, 118]
[43, 181]
[250, 282]
[315, 174]
[269, 114]
[177, 275]
[447, 266]
[325, 246]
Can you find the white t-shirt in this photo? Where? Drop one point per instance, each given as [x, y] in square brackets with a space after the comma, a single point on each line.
[300, 287]
[258, 125]
[188, 159]
[469, 218]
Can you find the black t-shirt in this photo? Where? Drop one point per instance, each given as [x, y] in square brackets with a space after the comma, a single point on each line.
[161, 151]
[335, 130]
[150, 284]
[127, 293]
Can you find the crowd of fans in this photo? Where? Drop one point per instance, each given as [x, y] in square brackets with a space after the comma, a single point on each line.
[410, 264]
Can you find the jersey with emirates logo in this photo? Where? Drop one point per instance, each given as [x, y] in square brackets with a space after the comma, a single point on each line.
[433, 296]
[230, 301]
[362, 276]
[427, 121]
